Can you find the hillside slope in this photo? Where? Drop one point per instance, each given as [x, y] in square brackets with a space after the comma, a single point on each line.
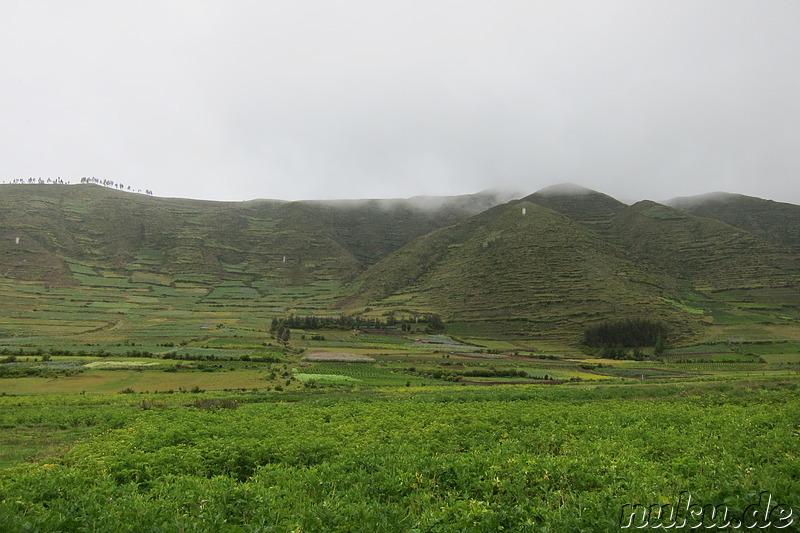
[536, 274]
[707, 254]
[577, 256]
[543, 267]
[775, 221]
[591, 208]
[63, 229]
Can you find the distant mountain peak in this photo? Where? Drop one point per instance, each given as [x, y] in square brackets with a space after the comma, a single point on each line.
[574, 194]
[565, 189]
[684, 202]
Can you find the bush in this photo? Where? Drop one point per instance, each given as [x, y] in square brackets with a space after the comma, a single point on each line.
[215, 403]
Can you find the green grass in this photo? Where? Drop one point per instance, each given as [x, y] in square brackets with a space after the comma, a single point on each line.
[99, 281]
[152, 379]
[640, 372]
[684, 307]
[368, 374]
[324, 378]
[37, 443]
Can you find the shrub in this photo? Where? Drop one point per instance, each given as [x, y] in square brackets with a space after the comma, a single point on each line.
[215, 403]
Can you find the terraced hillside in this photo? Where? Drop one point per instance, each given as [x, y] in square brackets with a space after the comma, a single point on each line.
[81, 259]
[591, 208]
[775, 221]
[706, 253]
[578, 256]
[84, 263]
[523, 269]
[58, 232]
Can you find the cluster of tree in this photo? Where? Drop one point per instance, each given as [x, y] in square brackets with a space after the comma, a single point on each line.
[46, 355]
[12, 356]
[58, 181]
[432, 321]
[329, 322]
[435, 373]
[620, 353]
[626, 333]
[97, 353]
[112, 184]
[280, 330]
[39, 181]
[177, 356]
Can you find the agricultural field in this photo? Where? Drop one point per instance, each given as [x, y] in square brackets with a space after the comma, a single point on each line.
[224, 427]
[535, 458]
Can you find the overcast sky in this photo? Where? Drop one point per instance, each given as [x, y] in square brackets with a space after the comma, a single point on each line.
[302, 99]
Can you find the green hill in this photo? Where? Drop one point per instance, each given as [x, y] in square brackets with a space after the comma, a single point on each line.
[776, 221]
[537, 275]
[543, 267]
[578, 256]
[63, 230]
[591, 208]
[705, 253]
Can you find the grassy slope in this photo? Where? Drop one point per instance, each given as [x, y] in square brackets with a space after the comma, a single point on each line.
[707, 253]
[600, 259]
[705, 258]
[776, 221]
[591, 208]
[371, 229]
[111, 230]
[100, 265]
[533, 274]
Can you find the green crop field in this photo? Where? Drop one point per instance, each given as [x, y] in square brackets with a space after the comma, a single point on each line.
[230, 430]
[475, 459]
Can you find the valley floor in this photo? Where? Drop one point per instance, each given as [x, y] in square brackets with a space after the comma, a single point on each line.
[582, 457]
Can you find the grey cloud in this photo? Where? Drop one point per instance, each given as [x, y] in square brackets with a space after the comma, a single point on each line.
[352, 99]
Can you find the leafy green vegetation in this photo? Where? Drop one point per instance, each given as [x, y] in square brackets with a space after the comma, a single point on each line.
[477, 459]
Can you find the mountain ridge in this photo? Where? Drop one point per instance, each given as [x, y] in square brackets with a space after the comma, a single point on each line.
[543, 266]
